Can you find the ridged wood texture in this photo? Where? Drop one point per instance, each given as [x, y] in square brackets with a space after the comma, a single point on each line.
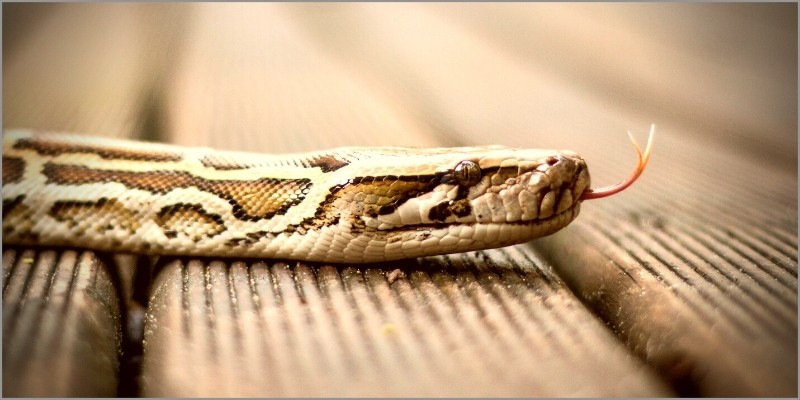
[61, 321]
[684, 284]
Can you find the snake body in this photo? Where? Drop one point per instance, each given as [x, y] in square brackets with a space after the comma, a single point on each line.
[351, 204]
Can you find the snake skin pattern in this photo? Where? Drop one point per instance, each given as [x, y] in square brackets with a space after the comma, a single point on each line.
[344, 205]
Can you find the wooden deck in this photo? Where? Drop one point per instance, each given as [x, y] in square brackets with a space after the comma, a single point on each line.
[686, 284]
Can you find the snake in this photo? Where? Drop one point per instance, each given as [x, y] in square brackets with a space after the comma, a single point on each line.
[344, 205]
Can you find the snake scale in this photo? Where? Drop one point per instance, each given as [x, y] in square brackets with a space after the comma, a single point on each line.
[351, 204]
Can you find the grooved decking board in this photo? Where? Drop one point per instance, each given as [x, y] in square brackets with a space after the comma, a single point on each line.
[495, 323]
[696, 282]
[61, 325]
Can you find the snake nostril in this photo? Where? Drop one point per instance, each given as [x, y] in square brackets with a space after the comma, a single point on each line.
[560, 161]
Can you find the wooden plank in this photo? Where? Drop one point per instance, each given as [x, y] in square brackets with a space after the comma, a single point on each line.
[698, 277]
[496, 323]
[61, 325]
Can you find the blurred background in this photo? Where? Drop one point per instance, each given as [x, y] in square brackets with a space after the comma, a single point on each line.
[409, 73]
[708, 235]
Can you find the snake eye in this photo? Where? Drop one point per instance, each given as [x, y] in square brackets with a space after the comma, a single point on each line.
[467, 173]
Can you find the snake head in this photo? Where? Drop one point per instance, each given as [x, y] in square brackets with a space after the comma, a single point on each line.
[461, 199]
[502, 186]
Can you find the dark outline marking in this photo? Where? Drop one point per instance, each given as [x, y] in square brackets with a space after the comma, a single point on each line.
[10, 204]
[13, 169]
[170, 210]
[325, 162]
[56, 148]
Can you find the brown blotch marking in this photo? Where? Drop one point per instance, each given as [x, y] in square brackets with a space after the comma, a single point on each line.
[387, 209]
[18, 221]
[9, 205]
[13, 169]
[380, 195]
[52, 147]
[367, 195]
[189, 220]
[251, 200]
[461, 208]
[327, 163]
[440, 212]
[100, 216]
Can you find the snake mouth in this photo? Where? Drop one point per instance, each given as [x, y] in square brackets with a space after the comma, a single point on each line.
[443, 238]
[500, 234]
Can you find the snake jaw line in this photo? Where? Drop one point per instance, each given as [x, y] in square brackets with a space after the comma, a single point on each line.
[591, 194]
